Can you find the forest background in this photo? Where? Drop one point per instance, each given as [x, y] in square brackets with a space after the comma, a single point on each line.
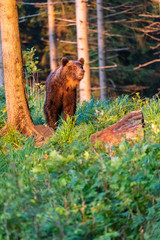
[131, 31]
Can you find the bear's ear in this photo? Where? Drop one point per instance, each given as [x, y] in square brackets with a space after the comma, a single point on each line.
[81, 60]
[64, 61]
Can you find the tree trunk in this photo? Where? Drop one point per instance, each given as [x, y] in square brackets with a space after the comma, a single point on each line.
[82, 44]
[1, 64]
[52, 35]
[17, 106]
[101, 50]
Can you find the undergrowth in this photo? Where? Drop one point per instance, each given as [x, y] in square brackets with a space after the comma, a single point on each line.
[69, 190]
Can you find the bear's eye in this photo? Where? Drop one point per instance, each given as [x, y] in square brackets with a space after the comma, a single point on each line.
[80, 65]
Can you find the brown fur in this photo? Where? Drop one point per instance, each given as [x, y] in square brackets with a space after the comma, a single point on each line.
[61, 90]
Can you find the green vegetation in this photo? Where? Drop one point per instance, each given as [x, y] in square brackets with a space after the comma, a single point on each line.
[69, 190]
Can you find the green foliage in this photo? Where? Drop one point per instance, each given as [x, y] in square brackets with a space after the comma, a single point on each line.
[65, 133]
[69, 190]
[36, 98]
[30, 61]
[3, 110]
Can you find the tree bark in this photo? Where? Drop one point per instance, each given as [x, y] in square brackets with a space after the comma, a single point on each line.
[82, 45]
[52, 36]
[101, 50]
[1, 64]
[16, 99]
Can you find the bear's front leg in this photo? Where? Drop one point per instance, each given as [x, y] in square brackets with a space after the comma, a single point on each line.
[69, 103]
[52, 113]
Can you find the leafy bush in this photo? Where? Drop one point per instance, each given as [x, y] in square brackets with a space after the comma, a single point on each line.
[69, 190]
[31, 62]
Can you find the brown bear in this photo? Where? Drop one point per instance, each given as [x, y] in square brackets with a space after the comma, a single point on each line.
[61, 90]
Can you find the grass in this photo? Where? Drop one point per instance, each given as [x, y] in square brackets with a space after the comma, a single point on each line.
[68, 190]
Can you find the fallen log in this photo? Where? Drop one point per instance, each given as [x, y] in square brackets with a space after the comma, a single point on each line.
[129, 127]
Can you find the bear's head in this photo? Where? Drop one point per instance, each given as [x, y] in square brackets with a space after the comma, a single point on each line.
[73, 71]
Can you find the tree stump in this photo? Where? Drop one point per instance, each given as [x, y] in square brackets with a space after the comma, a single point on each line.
[45, 131]
[129, 127]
